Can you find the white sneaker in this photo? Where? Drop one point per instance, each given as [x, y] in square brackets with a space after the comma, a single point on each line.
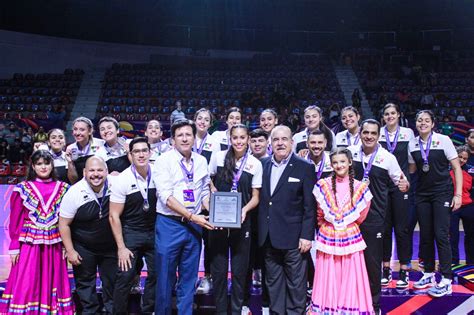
[428, 280]
[246, 310]
[265, 311]
[205, 286]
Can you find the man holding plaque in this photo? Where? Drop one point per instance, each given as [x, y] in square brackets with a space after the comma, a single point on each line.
[377, 167]
[286, 223]
[132, 217]
[182, 181]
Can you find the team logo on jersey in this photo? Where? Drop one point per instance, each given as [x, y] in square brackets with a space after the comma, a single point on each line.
[402, 136]
[134, 186]
[248, 167]
[434, 144]
[379, 159]
[207, 146]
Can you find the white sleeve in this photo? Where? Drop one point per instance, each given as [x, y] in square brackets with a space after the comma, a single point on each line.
[294, 142]
[334, 146]
[257, 177]
[68, 206]
[449, 149]
[163, 179]
[411, 138]
[394, 170]
[118, 191]
[213, 164]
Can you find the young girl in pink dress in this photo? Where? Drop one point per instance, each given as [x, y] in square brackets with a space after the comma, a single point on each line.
[38, 281]
[341, 284]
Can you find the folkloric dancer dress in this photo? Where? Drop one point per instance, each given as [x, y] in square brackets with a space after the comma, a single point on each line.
[341, 284]
[38, 282]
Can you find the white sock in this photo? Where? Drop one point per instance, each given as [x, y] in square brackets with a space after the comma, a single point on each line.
[428, 274]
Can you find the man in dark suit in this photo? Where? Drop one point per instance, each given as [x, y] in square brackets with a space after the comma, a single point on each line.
[286, 222]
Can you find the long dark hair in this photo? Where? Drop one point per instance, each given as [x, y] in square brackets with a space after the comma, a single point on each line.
[229, 161]
[348, 154]
[322, 125]
[35, 157]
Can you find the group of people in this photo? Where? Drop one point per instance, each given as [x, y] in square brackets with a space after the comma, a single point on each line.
[111, 205]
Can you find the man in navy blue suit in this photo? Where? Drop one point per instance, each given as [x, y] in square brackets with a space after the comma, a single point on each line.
[286, 223]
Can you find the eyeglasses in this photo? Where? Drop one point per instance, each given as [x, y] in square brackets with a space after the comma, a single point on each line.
[138, 151]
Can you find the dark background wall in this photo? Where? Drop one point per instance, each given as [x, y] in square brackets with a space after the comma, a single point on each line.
[295, 25]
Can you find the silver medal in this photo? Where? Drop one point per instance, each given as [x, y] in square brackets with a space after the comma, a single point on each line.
[146, 206]
[366, 180]
[426, 168]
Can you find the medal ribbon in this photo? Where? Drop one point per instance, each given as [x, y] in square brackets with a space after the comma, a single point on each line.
[101, 204]
[237, 175]
[319, 172]
[369, 164]
[199, 150]
[148, 179]
[425, 152]
[348, 136]
[391, 146]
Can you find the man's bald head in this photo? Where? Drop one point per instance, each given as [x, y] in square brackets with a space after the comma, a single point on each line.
[93, 160]
[95, 172]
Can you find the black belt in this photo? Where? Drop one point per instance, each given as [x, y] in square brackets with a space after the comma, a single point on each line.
[175, 217]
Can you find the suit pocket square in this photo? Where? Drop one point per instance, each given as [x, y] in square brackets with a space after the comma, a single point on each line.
[293, 180]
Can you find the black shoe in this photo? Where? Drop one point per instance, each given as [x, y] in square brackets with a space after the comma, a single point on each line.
[403, 279]
[386, 276]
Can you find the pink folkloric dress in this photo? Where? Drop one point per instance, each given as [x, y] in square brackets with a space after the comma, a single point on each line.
[38, 283]
[341, 284]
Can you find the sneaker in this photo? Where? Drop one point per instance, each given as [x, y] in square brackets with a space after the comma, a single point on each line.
[441, 289]
[386, 276]
[265, 311]
[205, 286]
[403, 279]
[246, 310]
[428, 280]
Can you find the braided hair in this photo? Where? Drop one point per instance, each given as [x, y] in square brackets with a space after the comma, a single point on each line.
[348, 154]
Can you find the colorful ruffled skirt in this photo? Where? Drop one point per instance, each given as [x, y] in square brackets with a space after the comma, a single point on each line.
[341, 285]
[38, 283]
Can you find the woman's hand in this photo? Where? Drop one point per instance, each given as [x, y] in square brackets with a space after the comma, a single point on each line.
[456, 203]
[73, 257]
[14, 258]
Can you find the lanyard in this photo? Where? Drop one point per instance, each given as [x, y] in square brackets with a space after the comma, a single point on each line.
[391, 146]
[188, 174]
[235, 180]
[101, 204]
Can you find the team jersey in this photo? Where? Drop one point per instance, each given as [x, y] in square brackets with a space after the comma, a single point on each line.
[159, 148]
[222, 139]
[345, 139]
[327, 168]
[437, 179]
[401, 150]
[127, 189]
[90, 213]
[115, 156]
[251, 175]
[207, 148]
[385, 169]
[80, 155]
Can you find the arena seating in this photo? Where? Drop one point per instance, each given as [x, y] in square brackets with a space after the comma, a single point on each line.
[451, 83]
[33, 95]
[140, 91]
